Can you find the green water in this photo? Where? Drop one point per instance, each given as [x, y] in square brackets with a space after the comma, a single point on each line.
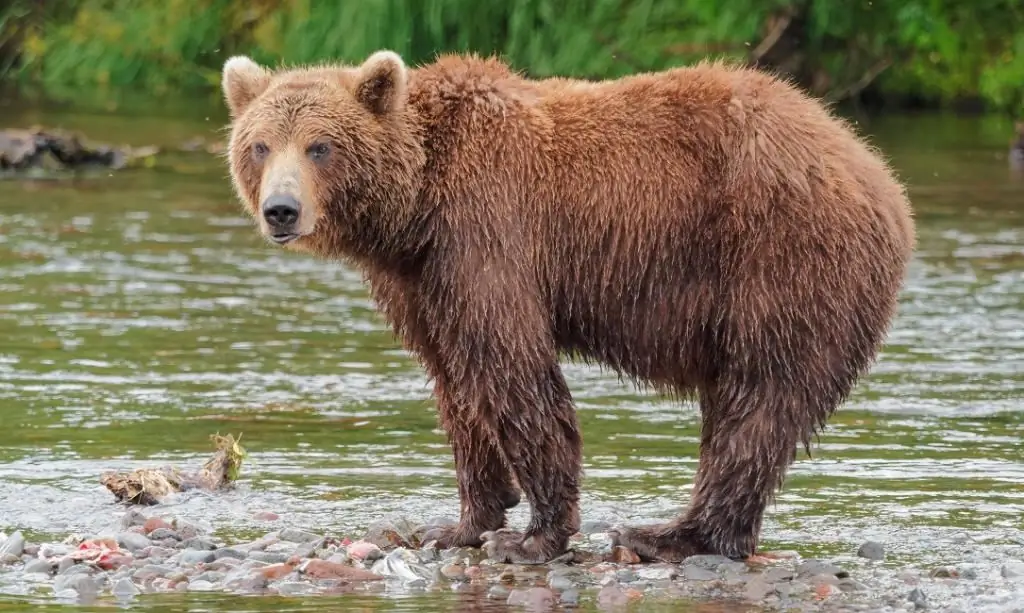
[140, 313]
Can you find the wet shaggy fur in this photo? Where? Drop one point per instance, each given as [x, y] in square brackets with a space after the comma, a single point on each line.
[705, 230]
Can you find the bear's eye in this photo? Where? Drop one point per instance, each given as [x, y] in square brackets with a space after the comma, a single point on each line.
[260, 151]
[318, 151]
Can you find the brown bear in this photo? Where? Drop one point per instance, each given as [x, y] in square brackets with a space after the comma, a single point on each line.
[705, 231]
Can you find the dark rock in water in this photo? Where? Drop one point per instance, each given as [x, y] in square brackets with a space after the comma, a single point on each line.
[918, 598]
[294, 535]
[872, 550]
[36, 148]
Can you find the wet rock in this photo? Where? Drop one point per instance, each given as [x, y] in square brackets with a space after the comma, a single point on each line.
[696, 573]
[294, 535]
[211, 576]
[812, 567]
[82, 583]
[40, 566]
[498, 592]
[570, 597]
[268, 557]
[943, 572]
[968, 573]
[191, 557]
[757, 589]
[560, 583]
[774, 575]
[12, 548]
[154, 553]
[248, 584]
[918, 598]
[124, 588]
[201, 586]
[294, 588]
[453, 572]
[850, 586]
[132, 541]
[707, 561]
[872, 550]
[625, 575]
[161, 534]
[1012, 570]
[54, 550]
[65, 565]
[395, 532]
[229, 552]
[133, 518]
[185, 530]
[657, 572]
[363, 550]
[154, 523]
[534, 599]
[201, 543]
[322, 569]
[612, 596]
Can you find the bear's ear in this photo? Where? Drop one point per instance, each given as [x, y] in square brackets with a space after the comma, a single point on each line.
[381, 84]
[243, 80]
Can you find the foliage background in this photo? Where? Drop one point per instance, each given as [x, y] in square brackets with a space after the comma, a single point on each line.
[932, 53]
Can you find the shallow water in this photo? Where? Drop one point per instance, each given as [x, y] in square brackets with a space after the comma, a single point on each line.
[140, 313]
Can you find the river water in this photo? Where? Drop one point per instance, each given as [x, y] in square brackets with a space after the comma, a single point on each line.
[140, 313]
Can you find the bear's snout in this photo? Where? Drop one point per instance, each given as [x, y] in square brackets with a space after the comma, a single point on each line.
[281, 212]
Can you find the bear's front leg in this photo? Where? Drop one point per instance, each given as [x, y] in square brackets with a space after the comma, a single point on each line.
[486, 489]
[496, 348]
[539, 438]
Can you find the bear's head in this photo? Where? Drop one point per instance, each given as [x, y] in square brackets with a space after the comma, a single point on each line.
[325, 158]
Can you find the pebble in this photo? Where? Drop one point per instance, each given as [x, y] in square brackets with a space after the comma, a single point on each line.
[12, 548]
[918, 598]
[195, 556]
[872, 550]
[132, 541]
[161, 534]
[294, 535]
[40, 566]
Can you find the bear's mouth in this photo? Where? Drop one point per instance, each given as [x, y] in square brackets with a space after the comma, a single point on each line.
[284, 238]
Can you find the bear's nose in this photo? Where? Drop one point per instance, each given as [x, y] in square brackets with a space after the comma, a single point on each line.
[280, 210]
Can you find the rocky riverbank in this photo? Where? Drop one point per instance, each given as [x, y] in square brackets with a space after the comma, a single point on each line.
[153, 554]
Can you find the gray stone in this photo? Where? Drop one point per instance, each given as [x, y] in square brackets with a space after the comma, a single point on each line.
[1012, 570]
[707, 561]
[813, 567]
[40, 566]
[201, 543]
[774, 575]
[696, 573]
[211, 576]
[294, 588]
[268, 557]
[656, 573]
[560, 583]
[191, 557]
[64, 565]
[758, 589]
[625, 575]
[81, 583]
[161, 534]
[201, 586]
[133, 518]
[595, 527]
[228, 552]
[918, 598]
[124, 588]
[872, 550]
[132, 541]
[294, 535]
[14, 546]
[498, 592]
[570, 597]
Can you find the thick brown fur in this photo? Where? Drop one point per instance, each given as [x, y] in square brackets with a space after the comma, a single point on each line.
[706, 230]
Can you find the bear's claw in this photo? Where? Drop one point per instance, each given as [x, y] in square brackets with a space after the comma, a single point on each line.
[510, 547]
[659, 543]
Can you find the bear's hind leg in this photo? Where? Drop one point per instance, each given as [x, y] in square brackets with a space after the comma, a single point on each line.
[485, 484]
[748, 441]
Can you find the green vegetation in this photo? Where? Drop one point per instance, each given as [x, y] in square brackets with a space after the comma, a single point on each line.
[918, 52]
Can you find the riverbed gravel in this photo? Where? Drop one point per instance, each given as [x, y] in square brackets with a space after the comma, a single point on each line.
[153, 554]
